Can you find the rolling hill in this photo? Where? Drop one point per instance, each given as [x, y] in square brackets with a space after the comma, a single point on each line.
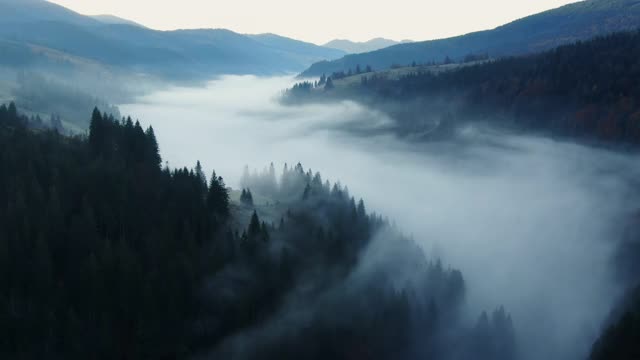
[536, 33]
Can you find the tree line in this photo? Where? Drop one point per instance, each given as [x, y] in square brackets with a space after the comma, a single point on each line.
[587, 89]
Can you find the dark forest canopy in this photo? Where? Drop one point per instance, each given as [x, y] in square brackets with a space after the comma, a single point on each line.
[105, 254]
[585, 90]
[620, 339]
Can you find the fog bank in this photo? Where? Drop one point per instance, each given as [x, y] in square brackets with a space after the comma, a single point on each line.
[529, 221]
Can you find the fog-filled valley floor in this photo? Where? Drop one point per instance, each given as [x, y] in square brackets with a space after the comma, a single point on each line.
[532, 223]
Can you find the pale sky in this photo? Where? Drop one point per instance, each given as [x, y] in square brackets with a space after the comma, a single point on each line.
[322, 20]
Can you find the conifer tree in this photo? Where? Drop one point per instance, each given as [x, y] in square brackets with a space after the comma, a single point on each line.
[329, 85]
[218, 196]
[96, 132]
[255, 228]
[199, 173]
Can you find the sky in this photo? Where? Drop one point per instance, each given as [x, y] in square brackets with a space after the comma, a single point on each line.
[322, 21]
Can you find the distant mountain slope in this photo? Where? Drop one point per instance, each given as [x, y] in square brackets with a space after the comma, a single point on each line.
[174, 54]
[304, 51]
[578, 21]
[114, 20]
[20, 11]
[352, 47]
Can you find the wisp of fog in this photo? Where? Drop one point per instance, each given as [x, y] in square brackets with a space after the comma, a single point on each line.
[530, 222]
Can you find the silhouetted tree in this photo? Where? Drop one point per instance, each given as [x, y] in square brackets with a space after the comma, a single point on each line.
[329, 84]
[218, 196]
[246, 197]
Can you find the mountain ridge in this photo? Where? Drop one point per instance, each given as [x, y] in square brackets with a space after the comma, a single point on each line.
[121, 43]
[354, 47]
[535, 33]
[115, 20]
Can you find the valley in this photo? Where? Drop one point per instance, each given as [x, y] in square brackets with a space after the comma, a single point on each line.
[199, 180]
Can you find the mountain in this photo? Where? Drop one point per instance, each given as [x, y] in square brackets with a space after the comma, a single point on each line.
[536, 33]
[110, 19]
[22, 11]
[26, 25]
[303, 51]
[581, 91]
[352, 47]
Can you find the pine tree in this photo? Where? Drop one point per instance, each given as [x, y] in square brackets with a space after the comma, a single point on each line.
[272, 182]
[307, 192]
[249, 197]
[218, 197]
[362, 213]
[255, 228]
[329, 84]
[323, 80]
[246, 198]
[200, 174]
[96, 132]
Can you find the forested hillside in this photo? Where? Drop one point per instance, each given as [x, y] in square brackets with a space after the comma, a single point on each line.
[579, 21]
[586, 90]
[105, 254]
